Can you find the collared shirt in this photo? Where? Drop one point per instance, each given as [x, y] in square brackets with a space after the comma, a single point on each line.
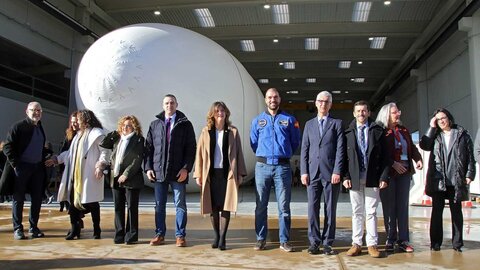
[321, 124]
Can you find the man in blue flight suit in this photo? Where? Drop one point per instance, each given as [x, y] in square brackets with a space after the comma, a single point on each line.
[274, 136]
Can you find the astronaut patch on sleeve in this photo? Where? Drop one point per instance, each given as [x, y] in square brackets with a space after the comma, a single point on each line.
[262, 122]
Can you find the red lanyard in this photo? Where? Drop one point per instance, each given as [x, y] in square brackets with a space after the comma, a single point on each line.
[398, 151]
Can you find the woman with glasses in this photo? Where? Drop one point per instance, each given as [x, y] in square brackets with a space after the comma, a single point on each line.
[219, 170]
[395, 198]
[451, 168]
[126, 177]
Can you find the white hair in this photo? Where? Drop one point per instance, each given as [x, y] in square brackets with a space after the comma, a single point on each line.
[325, 94]
[383, 116]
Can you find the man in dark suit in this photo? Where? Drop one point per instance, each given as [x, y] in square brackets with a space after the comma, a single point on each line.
[366, 172]
[24, 149]
[322, 159]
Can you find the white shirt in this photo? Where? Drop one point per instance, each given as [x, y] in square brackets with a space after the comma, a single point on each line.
[218, 158]
[122, 145]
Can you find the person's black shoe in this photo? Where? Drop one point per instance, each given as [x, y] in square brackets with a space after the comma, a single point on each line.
[36, 233]
[435, 247]
[327, 250]
[19, 235]
[389, 247]
[260, 245]
[458, 249]
[313, 250]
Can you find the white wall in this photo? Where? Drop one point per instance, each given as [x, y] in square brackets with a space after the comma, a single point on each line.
[54, 121]
[444, 81]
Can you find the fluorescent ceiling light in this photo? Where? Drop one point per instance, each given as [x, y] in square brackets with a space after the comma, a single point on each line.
[311, 43]
[336, 92]
[275, 41]
[344, 64]
[292, 92]
[378, 42]
[289, 65]
[285, 80]
[348, 101]
[310, 101]
[360, 62]
[204, 17]
[157, 12]
[266, 6]
[361, 10]
[346, 92]
[263, 81]
[311, 80]
[280, 64]
[247, 45]
[358, 80]
[281, 14]
[387, 3]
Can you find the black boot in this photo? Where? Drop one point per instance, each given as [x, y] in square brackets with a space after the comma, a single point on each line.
[74, 232]
[96, 222]
[214, 218]
[225, 220]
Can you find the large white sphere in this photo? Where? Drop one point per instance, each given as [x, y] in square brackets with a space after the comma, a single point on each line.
[129, 70]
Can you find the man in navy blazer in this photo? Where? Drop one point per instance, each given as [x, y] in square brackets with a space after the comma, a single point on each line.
[322, 160]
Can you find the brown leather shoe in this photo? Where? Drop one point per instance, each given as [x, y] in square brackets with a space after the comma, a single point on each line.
[157, 240]
[355, 250]
[181, 242]
[373, 251]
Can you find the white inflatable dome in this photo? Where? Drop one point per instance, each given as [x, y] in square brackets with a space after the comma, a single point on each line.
[129, 70]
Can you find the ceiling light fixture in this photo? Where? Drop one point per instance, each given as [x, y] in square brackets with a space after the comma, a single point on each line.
[360, 62]
[275, 40]
[157, 12]
[336, 92]
[311, 43]
[361, 10]
[289, 65]
[280, 64]
[266, 6]
[311, 80]
[295, 92]
[247, 45]
[204, 17]
[387, 3]
[378, 42]
[358, 80]
[264, 81]
[285, 80]
[281, 14]
[344, 64]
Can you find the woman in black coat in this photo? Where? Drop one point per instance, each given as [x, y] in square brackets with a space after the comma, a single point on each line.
[451, 168]
[126, 177]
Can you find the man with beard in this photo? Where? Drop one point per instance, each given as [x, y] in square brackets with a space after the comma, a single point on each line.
[24, 149]
[274, 136]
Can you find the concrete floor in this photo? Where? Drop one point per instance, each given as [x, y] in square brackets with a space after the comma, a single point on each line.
[53, 252]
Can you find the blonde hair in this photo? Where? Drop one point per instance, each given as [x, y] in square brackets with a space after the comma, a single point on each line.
[211, 114]
[137, 128]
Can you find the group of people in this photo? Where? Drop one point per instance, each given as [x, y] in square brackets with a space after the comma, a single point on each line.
[374, 160]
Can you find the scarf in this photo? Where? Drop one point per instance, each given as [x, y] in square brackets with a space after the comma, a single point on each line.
[122, 145]
[79, 153]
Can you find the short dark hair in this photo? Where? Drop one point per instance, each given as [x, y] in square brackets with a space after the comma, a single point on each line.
[171, 96]
[361, 103]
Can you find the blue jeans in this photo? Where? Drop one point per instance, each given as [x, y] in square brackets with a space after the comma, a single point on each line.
[280, 176]
[161, 193]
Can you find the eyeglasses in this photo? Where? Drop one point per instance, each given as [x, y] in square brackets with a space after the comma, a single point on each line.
[442, 118]
[35, 110]
[397, 112]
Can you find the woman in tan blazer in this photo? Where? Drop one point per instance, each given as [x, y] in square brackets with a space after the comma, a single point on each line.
[219, 170]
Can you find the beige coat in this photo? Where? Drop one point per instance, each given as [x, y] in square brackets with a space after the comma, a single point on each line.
[235, 174]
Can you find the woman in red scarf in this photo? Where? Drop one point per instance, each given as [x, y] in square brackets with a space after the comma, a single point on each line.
[395, 198]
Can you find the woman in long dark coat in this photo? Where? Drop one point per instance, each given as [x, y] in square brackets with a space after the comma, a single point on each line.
[451, 168]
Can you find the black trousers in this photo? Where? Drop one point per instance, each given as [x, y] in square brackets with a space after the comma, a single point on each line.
[436, 221]
[29, 178]
[94, 209]
[126, 232]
